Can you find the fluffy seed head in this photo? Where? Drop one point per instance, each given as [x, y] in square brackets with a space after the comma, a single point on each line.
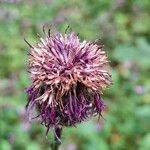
[68, 77]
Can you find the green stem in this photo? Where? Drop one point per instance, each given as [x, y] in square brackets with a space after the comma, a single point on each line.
[57, 135]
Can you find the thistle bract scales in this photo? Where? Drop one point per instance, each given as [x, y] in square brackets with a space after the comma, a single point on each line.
[68, 77]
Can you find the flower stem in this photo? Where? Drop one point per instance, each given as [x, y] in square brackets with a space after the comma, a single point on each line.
[57, 137]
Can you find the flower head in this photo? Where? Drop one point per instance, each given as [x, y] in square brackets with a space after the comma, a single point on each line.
[68, 77]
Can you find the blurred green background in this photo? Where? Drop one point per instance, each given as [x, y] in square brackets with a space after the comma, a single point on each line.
[124, 28]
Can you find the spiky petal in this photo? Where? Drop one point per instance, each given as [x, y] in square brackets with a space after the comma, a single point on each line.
[68, 77]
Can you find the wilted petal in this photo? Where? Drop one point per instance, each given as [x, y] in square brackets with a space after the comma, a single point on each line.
[67, 79]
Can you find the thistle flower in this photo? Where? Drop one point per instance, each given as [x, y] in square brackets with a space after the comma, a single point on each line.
[68, 77]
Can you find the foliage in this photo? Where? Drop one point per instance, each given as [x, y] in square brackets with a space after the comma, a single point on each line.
[124, 28]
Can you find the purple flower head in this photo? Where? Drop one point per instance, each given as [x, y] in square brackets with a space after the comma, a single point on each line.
[68, 77]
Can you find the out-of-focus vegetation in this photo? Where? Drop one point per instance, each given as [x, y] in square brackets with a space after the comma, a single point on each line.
[124, 28]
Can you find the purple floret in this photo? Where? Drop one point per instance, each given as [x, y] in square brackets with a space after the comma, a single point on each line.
[67, 77]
